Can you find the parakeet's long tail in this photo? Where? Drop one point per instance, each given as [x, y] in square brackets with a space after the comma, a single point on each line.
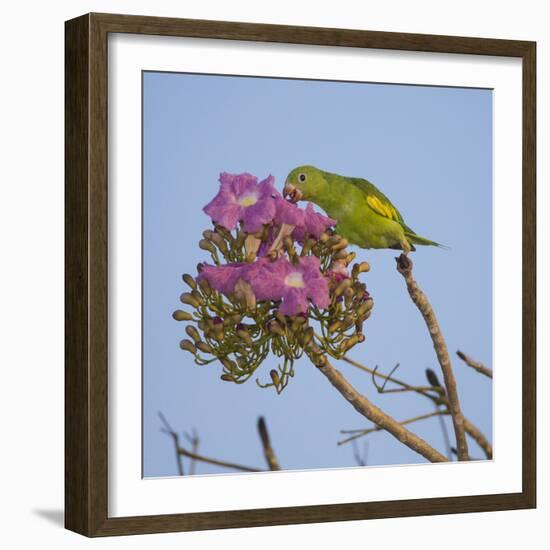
[417, 239]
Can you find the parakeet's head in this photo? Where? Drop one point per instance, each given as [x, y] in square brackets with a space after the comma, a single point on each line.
[304, 182]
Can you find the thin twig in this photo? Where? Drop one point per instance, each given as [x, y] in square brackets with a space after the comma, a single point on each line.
[269, 454]
[217, 462]
[404, 266]
[476, 365]
[370, 411]
[403, 390]
[361, 460]
[445, 432]
[361, 433]
[408, 387]
[173, 434]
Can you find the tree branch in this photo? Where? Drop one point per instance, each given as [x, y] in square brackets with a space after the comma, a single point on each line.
[476, 365]
[217, 462]
[193, 455]
[363, 406]
[404, 266]
[269, 454]
[479, 438]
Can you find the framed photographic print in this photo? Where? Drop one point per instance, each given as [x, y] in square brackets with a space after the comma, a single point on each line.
[300, 274]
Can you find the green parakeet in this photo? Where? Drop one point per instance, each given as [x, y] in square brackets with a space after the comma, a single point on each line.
[365, 216]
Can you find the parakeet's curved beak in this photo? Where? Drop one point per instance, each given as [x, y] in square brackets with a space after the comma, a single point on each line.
[293, 193]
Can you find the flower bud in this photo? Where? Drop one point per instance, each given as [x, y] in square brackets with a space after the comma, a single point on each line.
[193, 333]
[307, 246]
[186, 298]
[243, 334]
[298, 322]
[275, 328]
[339, 245]
[342, 287]
[227, 378]
[350, 257]
[225, 233]
[341, 255]
[241, 237]
[244, 293]
[218, 240]
[228, 364]
[363, 267]
[189, 281]
[334, 326]
[207, 245]
[205, 285]
[187, 345]
[180, 315]
[365, 307]
[347, 322]
[348, 296]
[275, 377]
[349, 343]
[217, 329]
[251, 246]
[196, 295]
[289, 246]
[335, 239]
[307, 336]
[232, 320]
[203, 346]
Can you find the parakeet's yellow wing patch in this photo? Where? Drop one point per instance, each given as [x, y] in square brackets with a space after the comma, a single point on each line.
[383, 208]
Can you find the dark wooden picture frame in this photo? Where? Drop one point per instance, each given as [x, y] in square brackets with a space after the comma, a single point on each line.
[86, 363]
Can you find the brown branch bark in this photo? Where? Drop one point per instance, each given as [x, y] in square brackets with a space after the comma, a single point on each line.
[370, 411]
[404, 266]
[269, 454]
[476, 365]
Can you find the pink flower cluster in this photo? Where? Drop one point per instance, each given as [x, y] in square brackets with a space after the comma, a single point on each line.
[242, 199]
[274, 280]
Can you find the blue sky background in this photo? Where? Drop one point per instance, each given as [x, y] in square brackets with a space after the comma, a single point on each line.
[428, 148]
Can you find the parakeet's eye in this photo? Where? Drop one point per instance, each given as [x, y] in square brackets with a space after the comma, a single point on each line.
[302, 178]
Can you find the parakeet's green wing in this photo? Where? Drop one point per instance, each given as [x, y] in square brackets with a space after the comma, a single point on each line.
[378, 202]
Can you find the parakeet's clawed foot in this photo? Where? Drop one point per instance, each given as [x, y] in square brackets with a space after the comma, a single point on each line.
[404, 264]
